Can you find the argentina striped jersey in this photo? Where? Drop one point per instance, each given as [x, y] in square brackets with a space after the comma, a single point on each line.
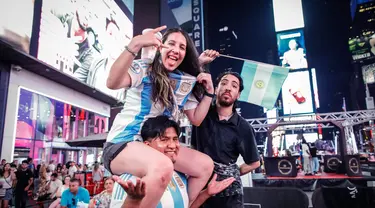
[175, 196]
[139, 106]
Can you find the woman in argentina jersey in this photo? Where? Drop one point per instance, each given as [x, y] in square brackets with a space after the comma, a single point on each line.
[171, 82]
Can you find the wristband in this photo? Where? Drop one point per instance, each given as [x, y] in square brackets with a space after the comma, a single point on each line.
[134, 54]
[209, 94]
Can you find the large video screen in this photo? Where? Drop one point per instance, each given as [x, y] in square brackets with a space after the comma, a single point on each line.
[16, 22]
[291, 139]
[288, 14]
[296, 93]
[368, 73]
[83, 39]
[291, 48]
[363, 47]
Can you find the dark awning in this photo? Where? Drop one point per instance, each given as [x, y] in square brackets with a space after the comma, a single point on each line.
[95, 140]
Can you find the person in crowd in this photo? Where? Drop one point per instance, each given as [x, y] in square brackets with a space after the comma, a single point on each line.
[161, 134]
[36, 179]
[49, 173]
[306, 157]
[64, 170]
[72, 169]
[53, 186]
[15, 163]
[314, 158]
[224, 135]
[85, 168]
[65, 186]
[31, 164]
[59, 172]
[41, 194]
[170, 83]
[75, 196]
[103, 200]
[97, 177]
[7, 178]
[3, 162]
[24, 181]
[52, 166]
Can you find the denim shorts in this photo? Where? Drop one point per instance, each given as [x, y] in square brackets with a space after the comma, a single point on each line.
[8, 194]
[110, 152]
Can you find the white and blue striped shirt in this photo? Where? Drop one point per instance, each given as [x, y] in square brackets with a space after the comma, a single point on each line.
[139, 106]
[175, 196]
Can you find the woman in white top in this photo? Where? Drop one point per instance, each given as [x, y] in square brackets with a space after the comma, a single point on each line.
[7, 178]
[65, 186]
[306, 157]
[97, 176]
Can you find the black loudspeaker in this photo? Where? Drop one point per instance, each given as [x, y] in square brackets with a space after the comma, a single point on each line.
[331, 163]
[280, 166]
[353, 166]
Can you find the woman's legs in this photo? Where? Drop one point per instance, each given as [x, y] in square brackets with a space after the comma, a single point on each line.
[96, 184]
[306, 164]
[198, 166]
[5, 203]
[152, 166]
[55, 204]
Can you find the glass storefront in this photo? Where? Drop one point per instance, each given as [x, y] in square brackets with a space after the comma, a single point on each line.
[44, 124]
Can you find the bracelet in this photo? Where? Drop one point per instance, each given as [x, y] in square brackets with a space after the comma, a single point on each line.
[134, 54]
[209, 94]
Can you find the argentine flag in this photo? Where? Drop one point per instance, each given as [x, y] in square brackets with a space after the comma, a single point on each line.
[262, 83]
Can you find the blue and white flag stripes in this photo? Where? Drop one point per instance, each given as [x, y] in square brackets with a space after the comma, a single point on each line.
[262, 83]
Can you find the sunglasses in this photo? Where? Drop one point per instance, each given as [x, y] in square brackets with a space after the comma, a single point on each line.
[73, 201]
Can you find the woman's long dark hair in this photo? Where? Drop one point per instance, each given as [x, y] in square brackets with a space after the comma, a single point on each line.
[2, 173]
[161, 89]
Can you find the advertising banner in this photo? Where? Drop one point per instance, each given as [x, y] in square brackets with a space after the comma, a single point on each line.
[363, 47]
[186, 14]
[296, 93]
[291, 48]
[83, 38]
[17, 22]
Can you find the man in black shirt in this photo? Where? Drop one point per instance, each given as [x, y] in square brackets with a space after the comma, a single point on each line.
[24, 181]
[224, 135]
[315, 161]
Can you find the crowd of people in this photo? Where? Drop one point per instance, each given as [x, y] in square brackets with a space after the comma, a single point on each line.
[20, 183]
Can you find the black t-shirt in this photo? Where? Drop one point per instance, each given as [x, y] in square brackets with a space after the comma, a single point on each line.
[225, 140]
[313, 151]
[23, 177]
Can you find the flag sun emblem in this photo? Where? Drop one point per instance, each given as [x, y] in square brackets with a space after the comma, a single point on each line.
[259, 84]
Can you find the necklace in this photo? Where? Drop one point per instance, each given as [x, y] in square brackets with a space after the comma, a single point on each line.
[226, 117]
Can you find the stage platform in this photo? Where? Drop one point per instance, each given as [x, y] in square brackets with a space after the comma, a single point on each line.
[309, 183]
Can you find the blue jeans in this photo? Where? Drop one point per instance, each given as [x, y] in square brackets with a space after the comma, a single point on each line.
[315, 164]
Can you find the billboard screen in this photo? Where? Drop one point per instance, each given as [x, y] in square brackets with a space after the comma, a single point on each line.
[83, 38]
[186, 14]
[296, 93]
[363, 47]
[17, 22]
[288, 14]
[368, 73]
[291, 49]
